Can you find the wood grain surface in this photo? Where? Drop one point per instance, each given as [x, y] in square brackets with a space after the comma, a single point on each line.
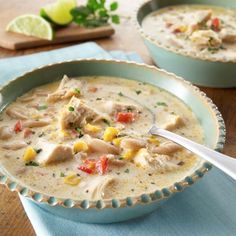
[13, 220]
[13, 8]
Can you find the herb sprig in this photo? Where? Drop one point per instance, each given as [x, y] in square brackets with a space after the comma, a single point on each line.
[95, 13]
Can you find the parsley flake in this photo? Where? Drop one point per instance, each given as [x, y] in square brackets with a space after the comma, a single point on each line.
[162, 104]
[71, 108]
[31, 163]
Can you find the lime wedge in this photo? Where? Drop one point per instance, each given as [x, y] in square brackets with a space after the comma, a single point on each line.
[31, 25]
[59, 12]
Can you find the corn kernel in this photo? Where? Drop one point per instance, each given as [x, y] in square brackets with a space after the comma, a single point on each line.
[65, 133]
[153, 140]
[117, 141]
[72, 180]
[29, 154]
[80, 146]
[128, 155]
[183, 28]
[110, 133]
[92, 128]
[36, 116]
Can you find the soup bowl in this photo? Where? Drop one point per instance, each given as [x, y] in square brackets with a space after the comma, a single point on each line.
[115, 210]
[219, 73]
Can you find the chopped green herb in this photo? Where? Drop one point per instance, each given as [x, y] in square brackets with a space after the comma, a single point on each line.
[41, 134]
[126, 171]
[71, 108]
[120, 158]
[222, 47]
[62, 174]
[95, 13]
[162, 104]
[138, 92]
[38, 150]
[213, 49]
[106, 122]
[42, 107]
[77, 90]
[120, 94]
[180, 163]
[31, 163]
[98, 99]
[129, 109]
[78, 130]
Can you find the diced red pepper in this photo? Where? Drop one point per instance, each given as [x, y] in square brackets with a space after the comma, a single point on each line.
[215, 24]
[125, 117]
[102, 165]
[90, 163]
[18, 126]
[86, 169]
[177, 30]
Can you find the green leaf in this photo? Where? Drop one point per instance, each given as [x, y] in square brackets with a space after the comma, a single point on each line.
[103, 13]
[115, 19]
[113, 6]
[80, 11]
[162, 104]
[42, 107]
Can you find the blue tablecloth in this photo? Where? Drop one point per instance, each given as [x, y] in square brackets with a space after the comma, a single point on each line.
[207, 208]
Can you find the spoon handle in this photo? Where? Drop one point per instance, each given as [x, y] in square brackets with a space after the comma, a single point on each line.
[223, 162]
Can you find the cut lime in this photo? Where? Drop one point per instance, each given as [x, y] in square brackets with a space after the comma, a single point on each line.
[59, 12]
[31, 25]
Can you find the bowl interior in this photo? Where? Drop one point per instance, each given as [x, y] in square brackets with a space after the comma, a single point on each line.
[154, 5]
[186, 92]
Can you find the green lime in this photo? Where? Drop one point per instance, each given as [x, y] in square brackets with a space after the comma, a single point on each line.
[31, 25]
[59, 12]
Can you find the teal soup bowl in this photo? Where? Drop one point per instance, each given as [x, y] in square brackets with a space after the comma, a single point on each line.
[203, 71]
[115, 210]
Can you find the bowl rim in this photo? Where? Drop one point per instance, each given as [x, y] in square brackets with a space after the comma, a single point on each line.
[177, 51]
[128, 201]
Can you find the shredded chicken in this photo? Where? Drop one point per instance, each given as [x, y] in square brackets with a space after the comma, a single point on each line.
[112, 107]
[51, 152]
[206, 38]
[99, 187]
[159, 162]
[167, 148]
[169, 121]
[132, 143]
[37, 123]
[228, 35]
[65, 90]
[77, 114]
[14, 145]
[113, 161]
[16, 112]
[5, 132]
[100, 146]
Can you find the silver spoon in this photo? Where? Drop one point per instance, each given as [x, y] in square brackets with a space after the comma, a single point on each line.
[223, 162]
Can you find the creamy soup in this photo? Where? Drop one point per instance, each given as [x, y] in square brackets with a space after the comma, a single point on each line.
[198, 29]
[86, 138]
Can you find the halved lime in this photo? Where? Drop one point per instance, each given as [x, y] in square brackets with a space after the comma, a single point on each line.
[59, 12]
[31, 25]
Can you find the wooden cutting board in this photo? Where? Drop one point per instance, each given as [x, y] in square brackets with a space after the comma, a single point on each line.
[12, 8]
